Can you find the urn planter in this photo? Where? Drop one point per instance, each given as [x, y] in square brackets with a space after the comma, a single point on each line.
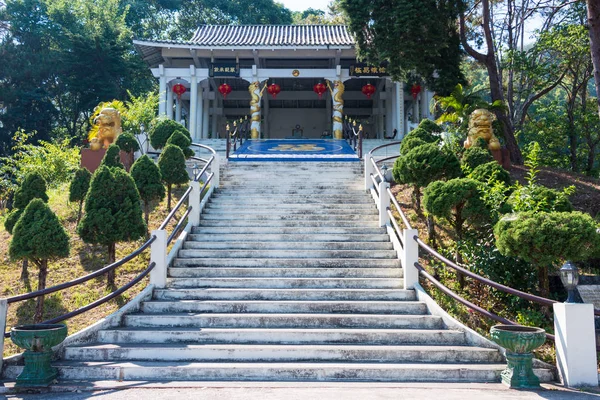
[37, 340]
[519, 342]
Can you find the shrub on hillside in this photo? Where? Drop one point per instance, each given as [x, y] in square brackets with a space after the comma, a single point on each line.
[409, 143]
[79, 187]
[163, 130]
[127, 142]
[539, 198]
[33, 187]
[474, 157]
[172, 169]
[430, 126]
[183, 142]
[491, 171]
[112, 158]
[422, 134]
[147, 178]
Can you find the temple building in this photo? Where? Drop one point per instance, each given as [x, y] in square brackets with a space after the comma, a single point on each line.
[292, 81]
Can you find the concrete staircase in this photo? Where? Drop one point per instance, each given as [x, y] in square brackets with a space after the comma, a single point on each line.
[288, 277]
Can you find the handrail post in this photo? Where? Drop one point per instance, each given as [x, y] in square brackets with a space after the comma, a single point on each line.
[409, 256]
[3, 312]
[158, 255]
[215, 168]
[575, 338]
[384, 203]
[369, 170]
[194, 203]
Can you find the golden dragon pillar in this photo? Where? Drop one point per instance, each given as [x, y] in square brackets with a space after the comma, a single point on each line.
[256, 95]
[338, 108]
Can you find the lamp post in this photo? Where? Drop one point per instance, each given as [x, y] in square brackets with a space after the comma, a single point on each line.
[384, 169]
[195, 171]
[569, 275]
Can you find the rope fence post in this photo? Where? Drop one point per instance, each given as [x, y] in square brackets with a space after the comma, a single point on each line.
[194, 203]
[410, 256]
[215, 167]
[158, 255]
[368, 171]
[384, 203]
[3, 311]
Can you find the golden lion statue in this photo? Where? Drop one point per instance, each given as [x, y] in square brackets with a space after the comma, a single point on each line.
[109, 127]
[480, 126]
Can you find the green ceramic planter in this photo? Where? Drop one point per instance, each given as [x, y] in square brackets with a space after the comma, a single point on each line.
[519, 342]
[37, 340]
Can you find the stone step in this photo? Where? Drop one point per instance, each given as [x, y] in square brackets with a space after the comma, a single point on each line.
[283, 336]
[273, 210]
[247, 320]
[282, 353]
[288, 283]
[289, 231]
[307, 372]
[288, 245]
[331, 195]
[264, 216]
[347, 295]
[289, 254]
[314, 222]
[349, 209]
[286, 262]
[210, 272]
[289, 238]
[355, 198]
[284, 307]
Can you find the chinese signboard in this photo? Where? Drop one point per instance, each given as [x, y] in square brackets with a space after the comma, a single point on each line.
[367, 70]
[224, 69]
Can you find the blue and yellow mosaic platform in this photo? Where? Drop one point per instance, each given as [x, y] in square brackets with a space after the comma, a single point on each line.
[295, 150]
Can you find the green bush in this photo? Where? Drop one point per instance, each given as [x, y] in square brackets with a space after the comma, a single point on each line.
[547, 238]
[39, 237]
[147, 178]
[539, 198]
[172, 169]
[430, 126]
[409, 143]
[112, 212]
[490, 172]
[79, 187]
[474, 157]
[11, 219]
[425, 164]
[127, 142]
[112, 158]
[422, 134]
[163, 130]
[33, 187]
[180, 140]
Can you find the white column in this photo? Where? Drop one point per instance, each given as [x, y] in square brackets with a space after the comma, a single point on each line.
[328, 110]
[169, 102]
[205, 112]
[215, 168]
[409, 256]
[384, 203]
[266, 128]
[158, 255]
[199, 114]
[393, 108]
[3, 311]
[178, 110]
[389, 116]
[424, 104]
[369, 169]
[380, 120]
[215, 127]
[193, 118]
[162, 89]
[194, 202]
[399, 108]
[575, 344]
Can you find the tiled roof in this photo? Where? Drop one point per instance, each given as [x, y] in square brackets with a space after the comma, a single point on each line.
[272, 35]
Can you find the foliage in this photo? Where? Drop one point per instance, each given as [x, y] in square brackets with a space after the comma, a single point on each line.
[179, 139]
[430, 126]
[33, 186]
[414, 36]
[490, 172]
[147, 178]
[112, 158]
[456, 107]
[127, 142]
[11, 219]
[409, 143]
[423, 134]
[38, 234]
[172, 169]
[474, 157]
[162, 131]
[116, 104]
[540, 198]
[80, 185]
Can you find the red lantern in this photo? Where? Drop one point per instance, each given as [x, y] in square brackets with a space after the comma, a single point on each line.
[415, 90]
[368, 90]
[224, 89]
[319, 89]
[274, 89]
[178, 89]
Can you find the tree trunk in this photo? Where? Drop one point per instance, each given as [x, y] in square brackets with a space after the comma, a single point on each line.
[39, 308]
[24, 271]
[593, 14]
[169, 197]
[431, 230]
[417, 199]
[79, 212]
[147, 217]
[543, 281]
[110, 276]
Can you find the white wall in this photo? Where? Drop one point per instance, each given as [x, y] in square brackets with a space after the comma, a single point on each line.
[283, 121]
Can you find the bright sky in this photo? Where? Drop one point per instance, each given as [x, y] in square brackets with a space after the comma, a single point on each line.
[301, 5]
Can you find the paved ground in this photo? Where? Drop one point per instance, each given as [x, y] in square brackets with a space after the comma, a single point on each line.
[299, 391]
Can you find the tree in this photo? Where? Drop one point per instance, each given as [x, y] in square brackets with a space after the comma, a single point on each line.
[172, 169]
[430, 126]
[33, 187]
[422, 165]
[146, 175]
[79, 187]
[593, 15]
[545, 238]
[475, 156]
[457, 201]
[490, 172]
[162, 131]
[413, 36]
[409, 143]
[127, 143]
[39, 237]
[424, 135]
[112, 158]
[112, 212]
[179, 139]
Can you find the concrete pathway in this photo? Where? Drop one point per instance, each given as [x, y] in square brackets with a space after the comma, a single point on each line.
[297, 391]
